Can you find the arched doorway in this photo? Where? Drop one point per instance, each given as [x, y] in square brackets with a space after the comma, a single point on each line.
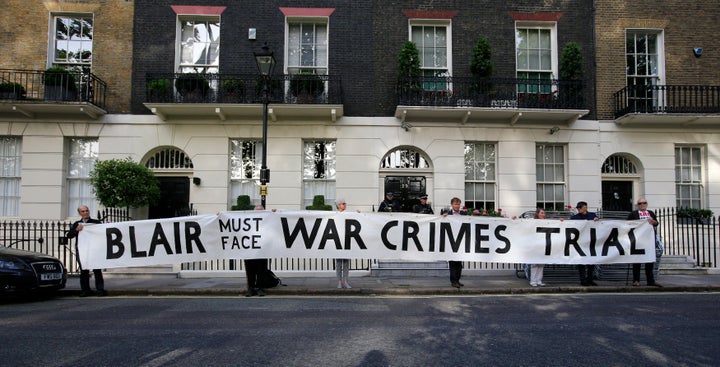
[620, 182]
[173, 169]
[407, 172]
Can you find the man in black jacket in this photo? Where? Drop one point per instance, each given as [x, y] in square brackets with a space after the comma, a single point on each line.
[587, 272]
[74, 231]
[644, 213]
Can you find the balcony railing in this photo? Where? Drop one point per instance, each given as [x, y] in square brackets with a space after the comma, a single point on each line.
[33, 86]
[680, 99]
[242, 89]
[490, 92]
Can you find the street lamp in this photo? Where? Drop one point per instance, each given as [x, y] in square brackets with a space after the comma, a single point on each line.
[266, 63]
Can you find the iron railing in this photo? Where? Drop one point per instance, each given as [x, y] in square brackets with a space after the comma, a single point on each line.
[667, 99]
[696, 238]
[490, 92]
[33, 86]
[242, 89]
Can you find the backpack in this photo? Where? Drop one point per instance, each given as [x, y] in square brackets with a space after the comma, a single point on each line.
[268, 279]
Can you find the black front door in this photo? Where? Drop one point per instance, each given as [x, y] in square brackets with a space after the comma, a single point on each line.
[174, 198]
[407, 190]
[617, 195]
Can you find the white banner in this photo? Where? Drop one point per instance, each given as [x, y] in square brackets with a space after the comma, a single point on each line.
[382, 236]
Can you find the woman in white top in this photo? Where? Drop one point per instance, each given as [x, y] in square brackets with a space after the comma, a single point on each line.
[342, 266]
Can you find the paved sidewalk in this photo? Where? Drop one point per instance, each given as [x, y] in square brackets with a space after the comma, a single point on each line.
[502, 283]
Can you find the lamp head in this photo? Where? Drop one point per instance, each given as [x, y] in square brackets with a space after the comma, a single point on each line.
[265, 60]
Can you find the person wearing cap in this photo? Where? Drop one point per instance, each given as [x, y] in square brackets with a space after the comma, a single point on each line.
[389, 204]
[587, 272]
[643, 213]
[423, 207]
[342, 266]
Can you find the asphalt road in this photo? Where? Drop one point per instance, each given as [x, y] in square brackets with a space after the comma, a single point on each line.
[664, 329]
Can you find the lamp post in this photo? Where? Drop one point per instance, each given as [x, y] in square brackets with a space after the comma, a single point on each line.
[266, 63]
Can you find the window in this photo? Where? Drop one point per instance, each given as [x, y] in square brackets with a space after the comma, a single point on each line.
[550, 176]
[245, 162]
[73, 42]
[10, 173]
[307, 47]
[82, 155]
[318, 171]
[688, 177]
[480, 175]
[536, 55]
[199, 44]
[642, 52]
[434, 47]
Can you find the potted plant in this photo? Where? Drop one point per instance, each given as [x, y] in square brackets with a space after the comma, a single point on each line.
[192, 87]
[231, 90]
[306, 86]
[159, 90]
[243, 203]
[10, 90]
[319, 203]
[693, 215]
[60, 84]
[409, 71]
[481, 67]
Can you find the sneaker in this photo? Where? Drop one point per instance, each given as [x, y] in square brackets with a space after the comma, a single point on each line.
[455, 284]
[542, 284]
[261, 293]
[462, 285]
[347, 285]
[101, 293]
[339, 285]
[655, 285]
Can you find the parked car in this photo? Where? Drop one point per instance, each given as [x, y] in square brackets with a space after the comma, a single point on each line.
[25, 272]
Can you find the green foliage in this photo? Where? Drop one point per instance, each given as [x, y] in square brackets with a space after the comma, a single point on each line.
[319, 204]
[306, 83]
[12, 88]
[481, 65]
[232, 86]
[243, 203]
[694, 213]
[409, 61]
[571, 62]
[159, 86]
[192, 83]
[122, 183]
[58, 76]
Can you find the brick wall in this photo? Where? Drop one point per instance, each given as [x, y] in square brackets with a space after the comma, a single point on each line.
[685, 24]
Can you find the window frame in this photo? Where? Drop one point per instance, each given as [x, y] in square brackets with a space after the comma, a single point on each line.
[180, 67]
[698, 184]
[554, 58]
[649, 101]
[241, 185]
[541, 184]
[447, 24]
[10, 205]
[484, 183]
[73, 202]
[328, 184]
[307, 20]
[82, 67]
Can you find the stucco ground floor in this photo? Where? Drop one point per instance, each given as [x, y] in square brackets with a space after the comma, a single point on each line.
[362, 144]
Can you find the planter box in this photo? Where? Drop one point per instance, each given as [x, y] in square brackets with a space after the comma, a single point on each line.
[59, 93]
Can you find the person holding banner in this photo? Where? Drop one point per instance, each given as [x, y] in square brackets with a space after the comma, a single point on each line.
[342, 266]
[253, 269]
[536, 270]
[74, 231]
[644, 213]
[587, 272]
[455, 266]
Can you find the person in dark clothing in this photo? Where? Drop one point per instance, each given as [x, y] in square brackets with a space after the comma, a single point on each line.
[644, 213]
[74, 231]
[423, 207]
[390, 204]
[587, 272]
[455, 266]
[254, 268]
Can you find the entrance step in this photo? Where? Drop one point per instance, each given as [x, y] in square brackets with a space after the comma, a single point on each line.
[680, 265]
[151, 271]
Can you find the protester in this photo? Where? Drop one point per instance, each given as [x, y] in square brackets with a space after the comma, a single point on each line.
[587, 272]
[254, 268]
[455, 266]
[643, 213]
[342, 266]
[536, 270]
[74, 231]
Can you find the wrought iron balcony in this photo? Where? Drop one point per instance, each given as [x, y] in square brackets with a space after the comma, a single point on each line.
[490, 92]
[667, 99]
[242, 89]
[28, 87]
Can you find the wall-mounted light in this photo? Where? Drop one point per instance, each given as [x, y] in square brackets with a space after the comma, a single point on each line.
[197, 180]
[406, 126]
[697, 51]
[252, 34]
[553, 130]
